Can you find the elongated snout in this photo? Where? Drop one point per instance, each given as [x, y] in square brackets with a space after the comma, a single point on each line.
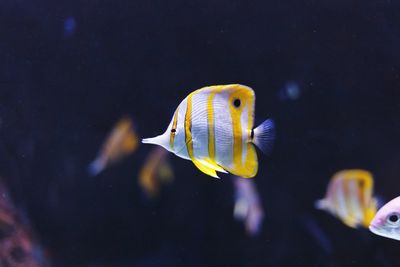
[161, 140]
[151, 140]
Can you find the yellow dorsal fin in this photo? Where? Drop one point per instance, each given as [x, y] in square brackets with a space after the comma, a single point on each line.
[204, 168]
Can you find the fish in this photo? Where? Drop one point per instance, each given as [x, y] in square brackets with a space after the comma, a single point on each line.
[386, 222]
[155, 171]
[213, 127]
[121, 142]
[247, 206]
[349, 197]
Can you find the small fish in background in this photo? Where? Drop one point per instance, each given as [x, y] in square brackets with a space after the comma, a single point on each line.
[247, 206]
[387, 220]
[17, 245]
[213, 127]
[290, 91]
[69, 26]
[156, 170]
[121, 142]
[350, 198]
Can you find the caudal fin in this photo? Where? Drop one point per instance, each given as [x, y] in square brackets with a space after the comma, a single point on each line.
[264, 136]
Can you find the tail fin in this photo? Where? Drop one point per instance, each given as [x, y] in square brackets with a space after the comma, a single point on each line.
[264, 136]
[96, 167]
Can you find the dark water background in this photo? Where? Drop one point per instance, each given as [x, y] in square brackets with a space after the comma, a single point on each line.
[70, 69]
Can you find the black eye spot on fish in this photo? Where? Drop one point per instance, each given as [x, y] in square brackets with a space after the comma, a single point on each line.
[236, 103]
[173, 130]
[252, 135]
[393, 218]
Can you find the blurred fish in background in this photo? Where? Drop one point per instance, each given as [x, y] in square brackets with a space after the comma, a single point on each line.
[290, 91]
[350, 198]
[17, 245]
[247, 206]
[69, 26]
[387, 220]
[155, 171]
[121, 142]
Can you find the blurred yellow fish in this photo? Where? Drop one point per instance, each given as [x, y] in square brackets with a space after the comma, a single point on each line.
[213, 127]
[121, 142]
[349, 197]
[248, 207]
[154, 171]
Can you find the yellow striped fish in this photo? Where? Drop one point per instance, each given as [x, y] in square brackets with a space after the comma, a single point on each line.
[155, 171]
[213, 127]
[121, 142]
[349, 197]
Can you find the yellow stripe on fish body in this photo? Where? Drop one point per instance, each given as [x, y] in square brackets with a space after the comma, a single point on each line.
[210, 116]
[241, 106]
[173, 130]
[195, 134]
[365, 204]
[188, 127]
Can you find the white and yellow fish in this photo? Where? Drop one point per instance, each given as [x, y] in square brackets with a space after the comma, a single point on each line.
[121, 142]
[155, 171]
[350, 198]
[213, 127]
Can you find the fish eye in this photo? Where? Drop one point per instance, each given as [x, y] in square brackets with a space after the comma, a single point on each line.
[236, 102]
[173, 130]
[393, 219]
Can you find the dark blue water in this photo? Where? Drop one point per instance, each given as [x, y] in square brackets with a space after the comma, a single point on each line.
[327, 73]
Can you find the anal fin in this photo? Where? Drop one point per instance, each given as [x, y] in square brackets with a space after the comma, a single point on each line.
[204, 168]
[212, 165]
